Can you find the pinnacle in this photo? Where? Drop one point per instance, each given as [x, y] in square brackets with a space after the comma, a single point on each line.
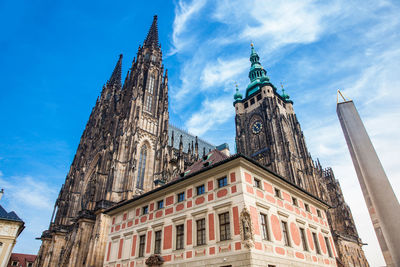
[115, 78]
[152, 35]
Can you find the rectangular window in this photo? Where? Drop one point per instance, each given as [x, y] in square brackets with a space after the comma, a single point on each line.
[303, 239]
[201, 232]
[145, 210]
[277, 192]
[285, 233]
[222, 182]
[264, 226]
[246, 105]
[319, 213]
[157, 242]
[149, 101]
[224, 227]
[151, 85]
[160, 204]
[328, 246]
[257, 183]
[181, 197]
[200, 190]
[252, 101]
[295, 203]
[179, 236]
[314, 237]
[307, 207]
[142, 243]
[259, 97]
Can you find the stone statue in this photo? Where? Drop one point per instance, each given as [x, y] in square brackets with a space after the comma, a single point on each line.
[246, 228]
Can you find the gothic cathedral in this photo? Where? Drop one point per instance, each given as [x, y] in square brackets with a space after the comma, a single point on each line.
[128, 148]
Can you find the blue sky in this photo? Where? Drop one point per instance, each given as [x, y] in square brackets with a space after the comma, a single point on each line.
[56, 55]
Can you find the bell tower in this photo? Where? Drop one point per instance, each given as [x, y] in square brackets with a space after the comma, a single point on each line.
[267, 129]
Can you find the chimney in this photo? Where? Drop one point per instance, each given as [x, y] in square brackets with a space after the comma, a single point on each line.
[1, 193]
[224, 148]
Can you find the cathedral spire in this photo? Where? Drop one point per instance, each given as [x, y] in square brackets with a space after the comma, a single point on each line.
[257, 74]
[152, 35]
[115, 78]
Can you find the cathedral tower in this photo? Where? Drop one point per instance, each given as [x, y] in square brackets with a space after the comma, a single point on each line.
[127, 148]
[268, 131]
[121, 151]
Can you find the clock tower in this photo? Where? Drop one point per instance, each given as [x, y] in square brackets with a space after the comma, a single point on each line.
[267, 129]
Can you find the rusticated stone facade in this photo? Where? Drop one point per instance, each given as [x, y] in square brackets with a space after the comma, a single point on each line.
[268, 131]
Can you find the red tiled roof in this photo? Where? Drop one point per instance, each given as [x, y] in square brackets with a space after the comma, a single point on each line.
[211, 158]
[22, 259]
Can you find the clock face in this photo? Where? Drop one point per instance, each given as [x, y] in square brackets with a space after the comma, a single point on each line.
[257, 127]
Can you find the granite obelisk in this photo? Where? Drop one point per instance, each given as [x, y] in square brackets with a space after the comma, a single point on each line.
[381, 201]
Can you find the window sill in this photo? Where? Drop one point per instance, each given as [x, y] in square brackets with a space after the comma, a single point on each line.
[224, 241]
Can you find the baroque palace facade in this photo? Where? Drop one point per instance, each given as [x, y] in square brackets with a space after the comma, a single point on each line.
[129, 150]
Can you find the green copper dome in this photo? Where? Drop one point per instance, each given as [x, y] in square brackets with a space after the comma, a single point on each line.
[257, 74]
[237, 95]
[284, 95]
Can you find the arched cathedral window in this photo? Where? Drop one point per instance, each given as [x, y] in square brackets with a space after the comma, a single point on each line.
[142, 167]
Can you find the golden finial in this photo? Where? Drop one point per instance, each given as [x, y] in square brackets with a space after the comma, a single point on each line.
[252, 45]
[343, 97]
[282, 86]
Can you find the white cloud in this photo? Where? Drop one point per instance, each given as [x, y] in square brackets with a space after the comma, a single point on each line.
[33, 201]
[183, 13]
[217, 73]
[211, 114]
[26, 192]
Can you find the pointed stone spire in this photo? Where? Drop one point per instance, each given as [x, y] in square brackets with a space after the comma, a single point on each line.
[115, 78]
[196, 148]
[152, 35]
[180, 145]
